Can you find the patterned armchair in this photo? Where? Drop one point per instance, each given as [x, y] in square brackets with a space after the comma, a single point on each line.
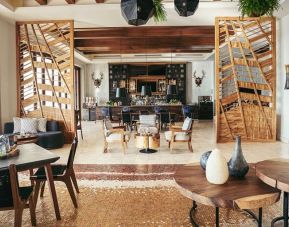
[148, 124]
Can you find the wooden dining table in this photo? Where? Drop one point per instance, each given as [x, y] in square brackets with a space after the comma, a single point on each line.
[32, 156]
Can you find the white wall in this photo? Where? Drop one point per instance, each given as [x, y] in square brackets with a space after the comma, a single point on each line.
[282, 95]
[102, 94]
[207, 86]
[8, 106]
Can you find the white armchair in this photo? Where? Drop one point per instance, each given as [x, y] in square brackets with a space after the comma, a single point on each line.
[180, 134]
[148, 124]
[114, 134]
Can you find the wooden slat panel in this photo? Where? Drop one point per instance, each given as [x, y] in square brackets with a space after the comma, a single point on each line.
[51, 53]
[256, 71]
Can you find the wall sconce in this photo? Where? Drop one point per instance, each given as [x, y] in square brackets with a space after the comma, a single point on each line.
[287, 77]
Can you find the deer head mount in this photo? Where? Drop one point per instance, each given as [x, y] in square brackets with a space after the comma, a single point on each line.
[199, 80]
[97, 81]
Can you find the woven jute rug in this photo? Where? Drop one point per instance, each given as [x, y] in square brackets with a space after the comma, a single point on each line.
[130, 203]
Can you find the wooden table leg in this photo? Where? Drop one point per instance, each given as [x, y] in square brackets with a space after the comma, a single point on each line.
[51, 185]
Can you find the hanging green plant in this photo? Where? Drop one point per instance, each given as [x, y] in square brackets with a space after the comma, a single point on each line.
[160, 13]
[257, 8]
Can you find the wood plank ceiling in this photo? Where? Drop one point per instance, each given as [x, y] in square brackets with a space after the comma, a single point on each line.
[132, 40]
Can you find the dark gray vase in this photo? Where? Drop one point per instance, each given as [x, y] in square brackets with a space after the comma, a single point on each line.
[238, 167]
[204, 159]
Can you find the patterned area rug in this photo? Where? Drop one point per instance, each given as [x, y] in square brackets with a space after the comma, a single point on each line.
[129, 196]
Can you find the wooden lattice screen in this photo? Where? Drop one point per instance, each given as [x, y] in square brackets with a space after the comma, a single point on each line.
[246, 78]
[45, 62]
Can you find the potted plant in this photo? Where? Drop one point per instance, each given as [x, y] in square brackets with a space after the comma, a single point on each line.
[257, 8]
[160, 13]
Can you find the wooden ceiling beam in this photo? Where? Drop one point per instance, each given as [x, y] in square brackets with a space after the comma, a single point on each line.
[132, 40]
[199, 49]
[125, 32]
[145, 43]
[41, 2]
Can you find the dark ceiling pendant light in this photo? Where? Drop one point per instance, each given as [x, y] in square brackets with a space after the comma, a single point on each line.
[137, 12]
[186, 8]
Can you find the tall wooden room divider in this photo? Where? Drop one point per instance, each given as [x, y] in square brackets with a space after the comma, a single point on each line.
[45, 60]
[245, 78]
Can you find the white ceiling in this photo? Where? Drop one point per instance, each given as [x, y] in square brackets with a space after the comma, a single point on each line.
[109, 15]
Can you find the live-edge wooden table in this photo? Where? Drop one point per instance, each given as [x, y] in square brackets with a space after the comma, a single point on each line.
[239, 194]
[276, 174]
[33, 156]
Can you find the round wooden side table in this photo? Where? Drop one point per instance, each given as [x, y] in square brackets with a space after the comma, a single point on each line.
[147, 143]
[276, 174]
[239, 194]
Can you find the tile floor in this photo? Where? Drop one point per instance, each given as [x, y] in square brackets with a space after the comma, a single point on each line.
[90, 149]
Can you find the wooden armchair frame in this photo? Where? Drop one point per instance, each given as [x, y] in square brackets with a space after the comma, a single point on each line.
[117, 130]
[174, 130]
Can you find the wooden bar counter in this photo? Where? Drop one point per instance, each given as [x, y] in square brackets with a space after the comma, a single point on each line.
[116, 110]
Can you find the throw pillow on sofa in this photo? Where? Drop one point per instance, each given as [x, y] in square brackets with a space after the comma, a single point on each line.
[17, 124]
[41, 127]
[29, 125]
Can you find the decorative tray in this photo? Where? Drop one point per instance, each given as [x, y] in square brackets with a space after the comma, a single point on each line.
[12, 153]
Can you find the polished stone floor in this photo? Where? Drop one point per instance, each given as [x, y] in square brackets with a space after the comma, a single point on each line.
[90, 149]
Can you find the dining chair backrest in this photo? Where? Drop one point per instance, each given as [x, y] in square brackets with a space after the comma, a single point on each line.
[9, 194]
[126, 116]
[144, 112]
[5, 188]
[105, 112]
[165, 116]
[187, 111]
[157, 109]
[72, 153]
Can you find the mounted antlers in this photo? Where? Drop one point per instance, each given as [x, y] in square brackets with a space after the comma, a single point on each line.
[97, 81]
[199, 80]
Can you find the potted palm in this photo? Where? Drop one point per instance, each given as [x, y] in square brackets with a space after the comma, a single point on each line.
[160, 13]
[257, 8]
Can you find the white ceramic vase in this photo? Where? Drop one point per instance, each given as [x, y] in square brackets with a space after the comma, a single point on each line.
[217, 171]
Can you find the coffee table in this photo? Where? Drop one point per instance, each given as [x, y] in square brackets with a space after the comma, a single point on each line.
[147, 143]
[276, 174]
[239, 194]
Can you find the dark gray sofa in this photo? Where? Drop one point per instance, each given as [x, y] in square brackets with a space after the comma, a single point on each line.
[53, 138]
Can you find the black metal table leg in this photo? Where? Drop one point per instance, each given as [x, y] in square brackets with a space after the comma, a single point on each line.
[259, 219]
[285, 211]
[194, 207]
[217, 217]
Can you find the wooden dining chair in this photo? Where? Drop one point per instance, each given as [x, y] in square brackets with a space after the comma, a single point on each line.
[13, 197]
[60, 172]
